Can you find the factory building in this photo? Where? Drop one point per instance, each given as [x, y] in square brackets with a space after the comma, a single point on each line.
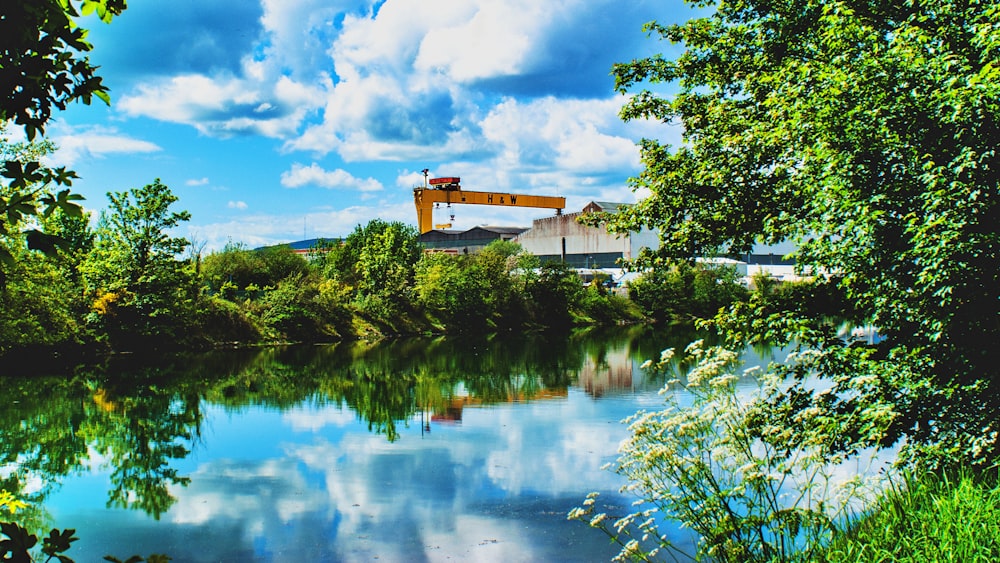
[466, 242]
[561, 238]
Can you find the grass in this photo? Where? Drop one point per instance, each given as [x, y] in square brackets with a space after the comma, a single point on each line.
[927, 520]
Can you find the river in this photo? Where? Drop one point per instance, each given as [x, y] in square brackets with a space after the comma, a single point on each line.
[414, 450]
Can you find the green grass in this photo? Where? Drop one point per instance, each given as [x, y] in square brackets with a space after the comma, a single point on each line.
[927, 520]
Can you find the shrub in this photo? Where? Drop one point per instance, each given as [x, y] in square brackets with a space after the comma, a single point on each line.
[749, 495]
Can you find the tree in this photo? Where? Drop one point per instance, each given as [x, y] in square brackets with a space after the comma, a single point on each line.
[41, 58]
[141, 289]
[42, 67]
[866, 133]
[38, 297]
[27, 200]
[682, 290]
[242, 267]
[555, 295]
[386, 258]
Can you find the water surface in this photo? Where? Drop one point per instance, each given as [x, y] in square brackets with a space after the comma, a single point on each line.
[418, 450]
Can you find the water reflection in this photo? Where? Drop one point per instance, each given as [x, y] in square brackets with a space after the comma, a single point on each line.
[417, 450]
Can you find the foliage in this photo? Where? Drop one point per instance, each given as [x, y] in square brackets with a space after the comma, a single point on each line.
[40, 305]
[865, 133]
[386, 260]
[221, 321]
[39, 293]
[10, 503]
[681, 290]
[239, 268]
[555, 295]
[479, 293]
[291, 310]
[233, 269]
[344, 262]
[445, 289]
[929, 519]
[749, 495]
[26, 197]
[605, 307]
[17, 547]
[19, 543]
[41, 68]
[134, 266]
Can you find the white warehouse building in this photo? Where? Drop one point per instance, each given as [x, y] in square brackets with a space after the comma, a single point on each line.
[562, 238]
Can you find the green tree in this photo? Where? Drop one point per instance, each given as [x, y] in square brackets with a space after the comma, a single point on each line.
[438, 285]
[506, 270]
[234, 268]
[39, 294]
[555, 295]
[40, 306]
[239, 267]
[866, 133]
[478, 293]
[42, 66]
[27, 200]
[680, 290]
[386, 258]
[140, 287]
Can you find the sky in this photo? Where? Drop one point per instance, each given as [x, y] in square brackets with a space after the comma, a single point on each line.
[281, 120]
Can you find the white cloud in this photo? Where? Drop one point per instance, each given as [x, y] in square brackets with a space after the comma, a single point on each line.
[497, 39]
[237, 205]
[572, 134]
[223, 106]
[75, 145]
[315, 175]
[197, 182]
[305, 419]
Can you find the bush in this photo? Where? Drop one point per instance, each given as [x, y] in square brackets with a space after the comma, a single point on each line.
[606, 308]
[749, 494]
[681, 290]
[219, 321]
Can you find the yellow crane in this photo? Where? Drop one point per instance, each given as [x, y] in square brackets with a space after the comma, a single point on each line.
[448, 190]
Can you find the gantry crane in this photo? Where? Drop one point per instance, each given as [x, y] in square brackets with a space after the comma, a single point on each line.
[449, 191]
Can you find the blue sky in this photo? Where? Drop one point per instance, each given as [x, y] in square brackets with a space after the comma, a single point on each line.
[278, 120]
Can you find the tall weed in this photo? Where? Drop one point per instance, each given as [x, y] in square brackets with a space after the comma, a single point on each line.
[746, 493]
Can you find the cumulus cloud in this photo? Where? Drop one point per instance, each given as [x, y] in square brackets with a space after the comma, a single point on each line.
[489, 40]
[77, 144]
[513, 96]
[315, 175]
[569, 134]
[222, 106]
[399, 81]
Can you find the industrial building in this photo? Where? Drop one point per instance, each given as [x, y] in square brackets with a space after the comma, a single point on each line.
[559, 238]
[466, 242]
[562, 238]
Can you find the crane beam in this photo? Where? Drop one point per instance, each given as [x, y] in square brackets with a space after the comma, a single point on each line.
[426, 198]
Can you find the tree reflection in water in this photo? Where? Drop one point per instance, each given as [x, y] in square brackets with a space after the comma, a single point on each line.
[139, 420]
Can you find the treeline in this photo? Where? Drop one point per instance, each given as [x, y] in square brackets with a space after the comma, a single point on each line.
[126, 284]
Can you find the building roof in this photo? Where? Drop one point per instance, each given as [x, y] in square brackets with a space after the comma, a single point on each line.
[603, 206]
[474, 232]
